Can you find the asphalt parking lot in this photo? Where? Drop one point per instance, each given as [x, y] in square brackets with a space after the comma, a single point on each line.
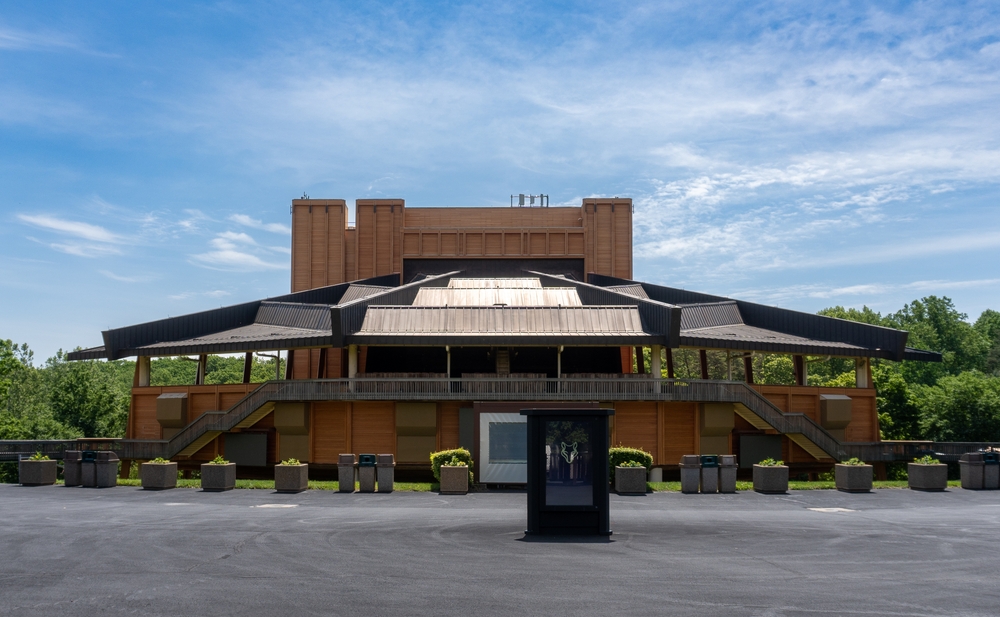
[124, 551]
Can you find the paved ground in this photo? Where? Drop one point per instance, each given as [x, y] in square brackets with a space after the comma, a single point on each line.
[75, 551]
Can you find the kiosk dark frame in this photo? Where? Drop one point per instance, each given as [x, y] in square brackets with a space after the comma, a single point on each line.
[578, 513]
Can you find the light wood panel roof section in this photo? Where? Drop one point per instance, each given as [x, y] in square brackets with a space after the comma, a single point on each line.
[495, 283]
[397, 323]
[446, 296]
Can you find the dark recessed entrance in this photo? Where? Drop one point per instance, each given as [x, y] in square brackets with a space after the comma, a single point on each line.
[568, 471]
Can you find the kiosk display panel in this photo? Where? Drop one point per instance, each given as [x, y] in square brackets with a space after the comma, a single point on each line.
[567, 465]
[569, 478]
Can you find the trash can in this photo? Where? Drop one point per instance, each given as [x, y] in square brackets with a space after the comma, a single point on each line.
[690, 473]
[366, 472]
[727, 473]
[709, 473]
[991, 470]
[88, 468]
[106, 470]
[345, 473]
[71, 467]
[971, 465]
[386, 469]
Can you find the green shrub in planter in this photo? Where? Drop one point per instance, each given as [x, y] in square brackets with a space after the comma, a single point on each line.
[619, 455]
[445, 457]
[770, 462]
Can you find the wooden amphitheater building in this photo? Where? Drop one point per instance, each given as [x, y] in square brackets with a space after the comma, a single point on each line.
[420, 329]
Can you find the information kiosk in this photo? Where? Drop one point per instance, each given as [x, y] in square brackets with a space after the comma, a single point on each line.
[568, 471]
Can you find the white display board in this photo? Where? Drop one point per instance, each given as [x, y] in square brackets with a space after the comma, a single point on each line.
[507, 463]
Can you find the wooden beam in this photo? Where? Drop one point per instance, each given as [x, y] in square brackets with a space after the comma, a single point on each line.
[670, 363]
[640, 361]
[748, 368]
[799, 363]
[247, 366]
[321, 365]
[703, 355]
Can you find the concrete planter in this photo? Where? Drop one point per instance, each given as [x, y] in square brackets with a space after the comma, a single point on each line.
[158, 476]
[853, 478]
[630, 480]
[37, 473]
[927, 477]
[770, 480]
[454, 480]
[218, 477]
[291, 478]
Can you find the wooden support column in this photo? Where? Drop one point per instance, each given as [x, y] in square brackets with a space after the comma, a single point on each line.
[703, 356]
[289, 363]
[799, 363]
[640, 362]
[142, 370]
[447, 351]
[321, 365]
[199, 377]
[352, 361]
[862, 372]
[748, 368]
[670, 363]
[655, 364]
[247, 366]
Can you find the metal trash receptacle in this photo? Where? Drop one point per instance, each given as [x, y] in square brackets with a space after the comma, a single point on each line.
[88, 468]
[971, 466]
[991, 471]
[345, 473]
[386, 472]
[71, 467]
[366, 472]
[690, 473]
[709, 473]
[106, 470]
[727, 473]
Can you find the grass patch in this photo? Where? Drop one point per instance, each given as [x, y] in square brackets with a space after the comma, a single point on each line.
[795, 485]
[268, 485]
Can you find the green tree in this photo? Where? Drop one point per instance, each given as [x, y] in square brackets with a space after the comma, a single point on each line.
[964, 407]
[91, 396]
[935, 324]
[988, 325]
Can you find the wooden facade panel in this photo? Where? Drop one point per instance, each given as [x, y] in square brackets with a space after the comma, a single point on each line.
[351, 255]
[448, 424]
[301, 249]
[512, 244]
[200, 403]
[778, 400]
[680, 421]
[864, 420]
[228, 399]
[807, 404]
[493, 245]
[574, 245]
[557, 244]
[492, 217]
[411, 243]
[329, 431]
[473, 245]
[635, 426]
[373, 427]
[144, 424]
[319, 249]
[429, 244]
[449, 244]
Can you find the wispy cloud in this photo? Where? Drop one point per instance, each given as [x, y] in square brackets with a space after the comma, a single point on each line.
[247, 221]
[215, 293]
[86, 231]
[125, 279]
[231, 251]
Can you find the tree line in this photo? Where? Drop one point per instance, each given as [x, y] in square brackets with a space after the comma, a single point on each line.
[957, 399]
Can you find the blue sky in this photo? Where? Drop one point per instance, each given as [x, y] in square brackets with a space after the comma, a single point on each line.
[799, 154]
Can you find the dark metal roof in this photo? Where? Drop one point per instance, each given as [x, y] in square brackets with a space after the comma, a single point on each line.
[358, 292]
[921, 355]
[750, 338]
[255, 337]
[709, 315]
[872, 341]
[294, 315]
[632, 290]
[123, 342]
